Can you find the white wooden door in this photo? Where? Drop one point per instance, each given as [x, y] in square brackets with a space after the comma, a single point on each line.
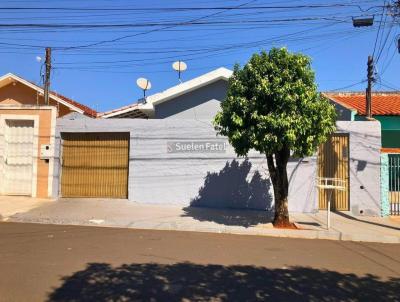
[18, 157]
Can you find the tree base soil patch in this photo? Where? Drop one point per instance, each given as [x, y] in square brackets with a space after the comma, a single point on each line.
[289, 226]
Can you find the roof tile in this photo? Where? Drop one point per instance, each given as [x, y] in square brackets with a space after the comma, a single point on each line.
[383, 103]
[87, 110]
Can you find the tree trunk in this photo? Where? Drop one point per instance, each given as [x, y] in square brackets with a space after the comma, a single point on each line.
[278, 173]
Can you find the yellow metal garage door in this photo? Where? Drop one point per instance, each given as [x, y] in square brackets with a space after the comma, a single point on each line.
[333, 162]
[95, 165]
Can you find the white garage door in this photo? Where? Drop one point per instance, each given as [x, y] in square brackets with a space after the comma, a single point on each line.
[18, 157]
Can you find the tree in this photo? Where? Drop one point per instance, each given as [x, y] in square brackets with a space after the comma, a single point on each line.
[273, 107]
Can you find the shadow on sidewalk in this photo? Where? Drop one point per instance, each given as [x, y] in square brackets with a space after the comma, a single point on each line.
[193, 282]
[368, 222]
[231, 217]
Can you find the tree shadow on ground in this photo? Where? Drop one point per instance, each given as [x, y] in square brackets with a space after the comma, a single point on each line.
[367, 222]
[193, 282]
[231, 217]
[234, 187]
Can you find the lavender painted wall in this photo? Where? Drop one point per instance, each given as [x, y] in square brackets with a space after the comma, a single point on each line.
[222, 179]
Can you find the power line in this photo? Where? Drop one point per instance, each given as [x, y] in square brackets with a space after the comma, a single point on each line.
[394, 45]
[337, 21]
[379, 29]
[348, 86]
[384, 44]
[192, 51]
[172, 24]
[151, 31]
[174, 9]
[196, 54]
[388, 86]
[224, 47]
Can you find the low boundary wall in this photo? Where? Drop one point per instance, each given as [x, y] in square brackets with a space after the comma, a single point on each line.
[170, 163]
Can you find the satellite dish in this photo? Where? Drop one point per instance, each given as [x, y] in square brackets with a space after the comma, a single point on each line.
[38, 59]
[180, 67]
[143, 84]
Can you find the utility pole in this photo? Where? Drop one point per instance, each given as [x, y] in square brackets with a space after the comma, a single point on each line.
[47, 76]
[368, 94]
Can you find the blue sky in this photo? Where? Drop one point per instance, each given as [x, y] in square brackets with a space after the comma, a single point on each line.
[101, 47]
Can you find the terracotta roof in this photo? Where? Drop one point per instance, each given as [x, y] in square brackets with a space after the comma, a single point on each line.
[383, 103]
[87, 110]
[390, 150]
[75, 106]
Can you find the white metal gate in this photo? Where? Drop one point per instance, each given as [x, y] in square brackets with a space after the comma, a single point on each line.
[18, 146]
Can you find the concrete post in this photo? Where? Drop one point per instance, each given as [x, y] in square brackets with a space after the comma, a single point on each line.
[385, 206]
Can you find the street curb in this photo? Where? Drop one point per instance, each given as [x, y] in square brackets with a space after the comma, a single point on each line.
[278, 233]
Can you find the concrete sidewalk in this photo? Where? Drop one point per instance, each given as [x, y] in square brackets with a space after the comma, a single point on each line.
[126, 214]
[11, 205]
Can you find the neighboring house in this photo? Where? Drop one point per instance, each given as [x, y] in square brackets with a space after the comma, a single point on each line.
[198, 98]
[165, 150]
[385, 108]
[27, 129]
[350, 106]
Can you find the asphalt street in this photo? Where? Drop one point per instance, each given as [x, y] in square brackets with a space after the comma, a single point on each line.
[74, 263]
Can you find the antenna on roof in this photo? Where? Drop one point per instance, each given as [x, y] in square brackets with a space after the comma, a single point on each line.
[180, 67]
[143, 84]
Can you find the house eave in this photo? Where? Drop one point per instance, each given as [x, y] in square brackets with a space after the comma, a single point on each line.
[9, 77]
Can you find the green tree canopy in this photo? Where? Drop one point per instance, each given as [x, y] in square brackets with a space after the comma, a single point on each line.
[273, 106]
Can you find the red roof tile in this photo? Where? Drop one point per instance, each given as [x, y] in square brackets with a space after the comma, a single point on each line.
[87, 110]
[390, 150]
[383, 103]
